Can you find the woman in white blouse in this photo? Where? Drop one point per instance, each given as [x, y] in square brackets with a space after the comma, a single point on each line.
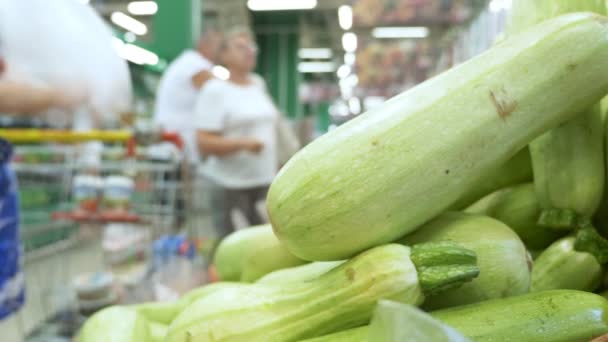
[236, 124]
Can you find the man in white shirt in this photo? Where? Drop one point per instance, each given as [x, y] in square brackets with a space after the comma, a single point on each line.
[179, 88]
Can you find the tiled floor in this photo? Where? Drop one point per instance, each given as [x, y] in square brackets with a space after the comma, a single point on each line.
[47, 280]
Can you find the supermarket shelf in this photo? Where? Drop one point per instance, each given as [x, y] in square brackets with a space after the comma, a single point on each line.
[51, 249]
[32, 230]
[105, 166]
[84, 217]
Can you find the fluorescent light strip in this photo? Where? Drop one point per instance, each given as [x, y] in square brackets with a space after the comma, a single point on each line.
[316, 67]
[142, 7]
[349, 42]
[400, 32]
[134, 53]
[279, 5]
[315, 53]
[345, 17]
[128, 23]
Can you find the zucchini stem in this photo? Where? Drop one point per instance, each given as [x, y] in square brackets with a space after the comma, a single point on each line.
[443, 265]
[590, 241]
[559, 219]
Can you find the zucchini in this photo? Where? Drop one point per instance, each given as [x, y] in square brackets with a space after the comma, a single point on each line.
[518, 207]
[568, 161]
[157, 332]
[549, 316]
[381, 176]
[396, 322]
[299, 274]
[562, 267]
[267, 256]
[248, 254]
[115, 323]
[229, 254]
[359, 334]
[340, 299]
[164, 313]
[517, 170]
[502, 257]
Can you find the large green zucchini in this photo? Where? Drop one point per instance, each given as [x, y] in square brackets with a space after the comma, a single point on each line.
[387, 172]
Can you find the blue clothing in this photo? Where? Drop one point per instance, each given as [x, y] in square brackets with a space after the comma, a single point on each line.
[12, 289]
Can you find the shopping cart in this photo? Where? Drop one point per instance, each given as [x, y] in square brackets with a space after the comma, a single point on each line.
[60, 239]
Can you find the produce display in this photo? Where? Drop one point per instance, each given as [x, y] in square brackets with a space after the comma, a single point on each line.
[430, 202]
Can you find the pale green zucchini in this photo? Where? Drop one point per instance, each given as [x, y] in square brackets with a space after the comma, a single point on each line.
[267, 256]
[397, 322]
[299, 274]
[230, 253]
[568, 161]
[248, 254]
[562, 267]
[387, 172]
[517, 170]
[501, 256]
[343, 298]
[519, 209]
[164, 313]
[549, 316]
[117, 324]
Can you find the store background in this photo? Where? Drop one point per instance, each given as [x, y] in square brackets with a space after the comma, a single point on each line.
[323, 65]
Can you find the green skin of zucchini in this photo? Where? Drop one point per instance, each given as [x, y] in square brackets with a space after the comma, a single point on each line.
[230, 253]
[248, 254]
[568, 161]
[265, 257]
[164, 313]
[343, 298]
[501, 256]
[299, 274]
[517, 170]
[562, 267]
[549, 316]
[116, 323]
[518, 208]
[390, 170]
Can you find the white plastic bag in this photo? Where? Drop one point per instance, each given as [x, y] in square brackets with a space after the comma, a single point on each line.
[64, 44]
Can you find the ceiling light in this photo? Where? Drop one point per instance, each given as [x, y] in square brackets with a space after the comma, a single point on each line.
[500, 5]
[349, 58]
[220, 72]
[316, 67]
[278, 5]
[142, 7]
[130, 37]
[349, 42]
[343, 71]
[400, 32]
[315, 53]
[128, 23]
[345, 17]
[135, 54]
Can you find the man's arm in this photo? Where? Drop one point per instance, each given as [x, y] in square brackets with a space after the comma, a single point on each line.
[199, 80]
[20, 98]
[210, 143]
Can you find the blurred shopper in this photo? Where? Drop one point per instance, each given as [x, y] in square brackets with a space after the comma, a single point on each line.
[17, 98]
[179, 87]
[236, 121]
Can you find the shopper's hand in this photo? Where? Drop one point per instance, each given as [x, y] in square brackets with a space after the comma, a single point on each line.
[252, 145]
[67, 101]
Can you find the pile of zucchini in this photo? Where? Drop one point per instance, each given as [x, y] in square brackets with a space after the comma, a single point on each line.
[474, 197]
